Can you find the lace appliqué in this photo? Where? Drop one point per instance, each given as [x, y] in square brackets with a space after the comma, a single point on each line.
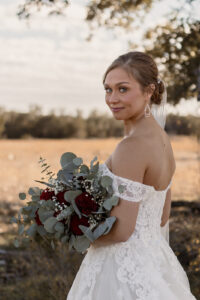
[91, 266]
[136, 264]
[134, 191]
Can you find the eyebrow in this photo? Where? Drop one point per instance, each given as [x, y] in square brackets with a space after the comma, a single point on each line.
[117, 83]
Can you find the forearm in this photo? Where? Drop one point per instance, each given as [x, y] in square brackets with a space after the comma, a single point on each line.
[106, 240]
[112, 237]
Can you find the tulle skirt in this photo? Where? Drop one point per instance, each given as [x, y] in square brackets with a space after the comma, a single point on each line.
[129, 271]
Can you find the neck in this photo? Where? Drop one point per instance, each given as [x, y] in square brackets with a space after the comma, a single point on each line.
[141, 122]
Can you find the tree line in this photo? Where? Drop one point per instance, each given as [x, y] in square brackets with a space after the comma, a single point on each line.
[19, 125]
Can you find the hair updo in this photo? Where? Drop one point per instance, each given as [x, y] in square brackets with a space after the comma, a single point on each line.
[143, 68]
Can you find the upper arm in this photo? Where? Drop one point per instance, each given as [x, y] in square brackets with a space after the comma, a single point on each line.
[128, 159]
[127, 162]
[166, 208]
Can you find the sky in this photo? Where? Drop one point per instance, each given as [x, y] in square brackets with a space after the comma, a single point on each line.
[48, 62]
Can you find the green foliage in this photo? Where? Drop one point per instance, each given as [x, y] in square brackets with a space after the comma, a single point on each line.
[183, 125]
[177, 47]
[56, 7]
[22, 196]
[120, 13]
[108, 127]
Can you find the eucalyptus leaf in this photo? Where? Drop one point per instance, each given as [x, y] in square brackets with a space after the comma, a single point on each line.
[13, 220]
[35, 198]
[95, 168]
[52, 245]
[65, 213]
[64, 239]
[109, 223]
[71, 241]
[108, 204]
[50, 204]
[84, 169]
[31, 231]
[77, 161]
[121, 188]
[91, 176]
[21, 229]
[64, 176]
[46, 183]
[22, 196]
[34, 191]
[33, 211]
[100, 210]
[26, 210]
[66, 158]
[44, 214]
[70, 167]
[87, 232]
[92, 162]
[109, 189]
[41, 230]
[81, 243]
[57, 235]
[70, 197]
[26, 241]
[19, 213]
[49, 224]
[59, 227]
[16, 243]
[106, 181]
[104, 227]
[115, 200]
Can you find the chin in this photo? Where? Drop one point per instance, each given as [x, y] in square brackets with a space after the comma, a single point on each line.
[118, 118]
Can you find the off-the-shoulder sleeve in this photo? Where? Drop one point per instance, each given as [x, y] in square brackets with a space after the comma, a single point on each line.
[133, 191]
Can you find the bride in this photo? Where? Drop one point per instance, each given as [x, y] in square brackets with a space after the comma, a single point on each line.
[134, 260]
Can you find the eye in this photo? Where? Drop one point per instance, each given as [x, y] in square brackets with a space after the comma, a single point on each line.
[107, 90]
[124, 89]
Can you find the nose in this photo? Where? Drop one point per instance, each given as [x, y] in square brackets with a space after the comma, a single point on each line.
[112, 98]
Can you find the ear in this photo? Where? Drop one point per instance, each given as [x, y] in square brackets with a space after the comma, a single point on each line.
[151, 89]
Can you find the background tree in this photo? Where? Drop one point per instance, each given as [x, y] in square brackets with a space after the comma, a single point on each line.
[176, 44]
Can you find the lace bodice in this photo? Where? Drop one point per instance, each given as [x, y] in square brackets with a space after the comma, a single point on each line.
[151, 203]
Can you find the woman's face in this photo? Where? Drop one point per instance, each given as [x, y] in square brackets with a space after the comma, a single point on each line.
[124, 95]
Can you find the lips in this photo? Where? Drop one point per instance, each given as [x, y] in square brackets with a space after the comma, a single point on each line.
[116, 108]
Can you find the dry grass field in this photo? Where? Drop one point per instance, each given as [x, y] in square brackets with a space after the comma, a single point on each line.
[34, 274]
[19, 162]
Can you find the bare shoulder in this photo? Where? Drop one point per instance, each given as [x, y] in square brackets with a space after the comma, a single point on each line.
[129, 158]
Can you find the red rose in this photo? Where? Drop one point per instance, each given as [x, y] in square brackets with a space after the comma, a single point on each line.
[61, 199]
[85, 203]
[75, 222]
[37, 219]
[46, 194]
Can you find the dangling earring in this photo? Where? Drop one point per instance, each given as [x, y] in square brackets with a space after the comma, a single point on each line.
[147, 110]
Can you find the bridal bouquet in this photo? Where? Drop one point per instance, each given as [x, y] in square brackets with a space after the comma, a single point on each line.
[73, 208]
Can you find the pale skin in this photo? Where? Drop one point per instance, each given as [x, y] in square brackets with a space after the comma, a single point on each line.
[144, 154]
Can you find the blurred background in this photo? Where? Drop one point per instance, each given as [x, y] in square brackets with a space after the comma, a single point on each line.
[53, 56]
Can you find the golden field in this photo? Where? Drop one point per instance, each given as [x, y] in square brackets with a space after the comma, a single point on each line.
[36, 273]
[20, 167]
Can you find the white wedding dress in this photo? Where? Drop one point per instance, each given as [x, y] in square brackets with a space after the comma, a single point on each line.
[142, 268]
